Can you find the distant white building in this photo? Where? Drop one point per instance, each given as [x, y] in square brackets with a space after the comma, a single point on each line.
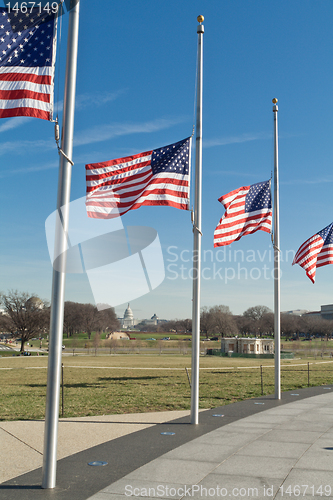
[296, 312]
[128, 320]
[152, 321]
[247, 345]
[326, 312]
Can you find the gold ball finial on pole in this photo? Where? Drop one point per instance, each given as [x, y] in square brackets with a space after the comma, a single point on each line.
[274, 101]
[200, 19]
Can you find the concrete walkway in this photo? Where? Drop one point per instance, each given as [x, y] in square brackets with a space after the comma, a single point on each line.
[22, 442]
[259, 448]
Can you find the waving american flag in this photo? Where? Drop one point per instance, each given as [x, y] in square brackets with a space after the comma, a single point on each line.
[315, 252]
[248, 209]
[159, 177]
[27, 60]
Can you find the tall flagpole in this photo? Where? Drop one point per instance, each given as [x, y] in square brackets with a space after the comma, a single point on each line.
[197, 237]
[277, 326]
[58, 282]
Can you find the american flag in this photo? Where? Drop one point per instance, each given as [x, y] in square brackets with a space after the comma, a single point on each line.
[159, 177]
[27, 60]
[248, 209]
[315, 252]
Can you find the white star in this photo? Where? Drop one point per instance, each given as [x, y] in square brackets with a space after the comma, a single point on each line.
[22, 61]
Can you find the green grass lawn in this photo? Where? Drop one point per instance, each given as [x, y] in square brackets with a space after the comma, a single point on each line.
[98, 385]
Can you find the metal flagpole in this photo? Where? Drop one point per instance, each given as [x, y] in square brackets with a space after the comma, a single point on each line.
[197, 238]
[276, 244]
[58, 282]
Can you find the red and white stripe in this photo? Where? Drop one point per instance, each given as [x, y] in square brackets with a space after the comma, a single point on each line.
[116, 186]
[312, 254]
[26, 91]
[236, 223]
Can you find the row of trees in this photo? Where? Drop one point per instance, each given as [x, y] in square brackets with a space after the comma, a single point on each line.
[257, 320]
[86, 317]
[27, 317]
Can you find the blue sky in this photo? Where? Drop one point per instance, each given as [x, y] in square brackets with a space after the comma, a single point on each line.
[135, 92]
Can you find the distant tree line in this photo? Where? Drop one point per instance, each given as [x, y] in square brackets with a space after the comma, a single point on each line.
[86, 317]
[26, 316]
[258, 321]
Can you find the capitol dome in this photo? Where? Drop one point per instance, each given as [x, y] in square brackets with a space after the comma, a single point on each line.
[128, 313]
[128, 319]
[34, 303]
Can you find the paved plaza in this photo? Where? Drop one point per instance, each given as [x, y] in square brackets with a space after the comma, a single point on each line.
[259, 448]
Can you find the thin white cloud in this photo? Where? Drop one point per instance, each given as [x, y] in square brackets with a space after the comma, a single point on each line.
[315, 180]
[28, 170]
[105, 132]
[86, 137]
[96, 99]
[21, 147]
[12, 123]
[233, 173]
[96, 134]
[83, 101]
[224, 141]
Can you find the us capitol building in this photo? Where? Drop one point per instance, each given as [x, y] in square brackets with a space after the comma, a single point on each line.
[128, 320]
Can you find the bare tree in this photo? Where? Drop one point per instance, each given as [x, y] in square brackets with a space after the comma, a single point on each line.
[266, 324]
[25, 316]
[289, 325]
[223, 321]
[74, 342]
[207, 323]
[256, 312]
[72, 318]
[106, 320]
[254, 316]
[88, 314]
[97, 341]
